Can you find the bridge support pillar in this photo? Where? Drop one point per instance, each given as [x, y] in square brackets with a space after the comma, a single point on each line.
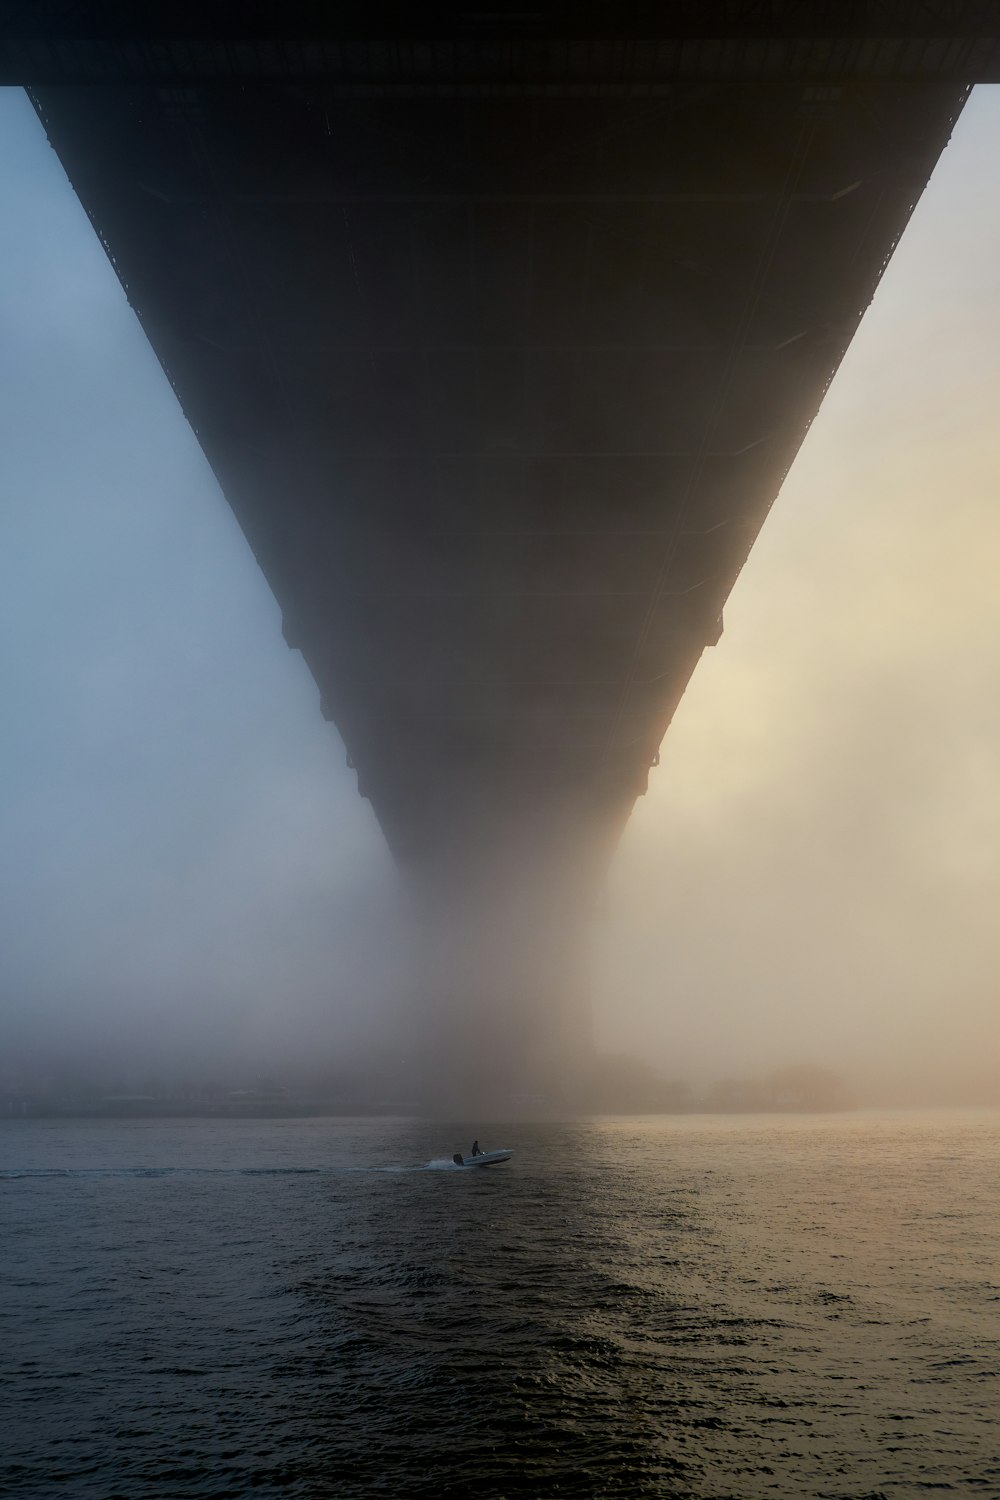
[501, 978]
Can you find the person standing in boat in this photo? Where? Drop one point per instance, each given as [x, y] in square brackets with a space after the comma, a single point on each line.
[475, 1149]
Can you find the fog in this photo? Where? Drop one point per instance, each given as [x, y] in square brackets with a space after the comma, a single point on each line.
[186, 871]
[815, 871]
[189, 880]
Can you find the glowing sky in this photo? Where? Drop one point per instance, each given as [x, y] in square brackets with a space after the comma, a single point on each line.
[184, 859]
[814, 871]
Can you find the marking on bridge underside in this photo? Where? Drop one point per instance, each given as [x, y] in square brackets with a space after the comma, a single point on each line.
[475, 594]
[521, 455]
[481, 349]
[415, 534]
[472, 199]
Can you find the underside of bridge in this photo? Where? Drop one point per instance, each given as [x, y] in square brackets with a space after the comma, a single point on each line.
[501, 339]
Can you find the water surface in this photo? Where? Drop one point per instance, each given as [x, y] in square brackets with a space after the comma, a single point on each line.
[693, 1306]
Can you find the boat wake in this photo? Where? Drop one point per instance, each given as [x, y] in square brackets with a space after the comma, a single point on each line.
[84, 1174]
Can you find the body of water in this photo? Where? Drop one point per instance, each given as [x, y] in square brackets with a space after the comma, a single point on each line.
[693, 1306]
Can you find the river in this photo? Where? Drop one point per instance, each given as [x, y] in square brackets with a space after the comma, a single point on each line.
[724, 1308]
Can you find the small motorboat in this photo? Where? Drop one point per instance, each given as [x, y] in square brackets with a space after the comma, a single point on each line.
[482, 1158]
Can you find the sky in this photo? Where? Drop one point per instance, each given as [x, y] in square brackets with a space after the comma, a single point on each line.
[815, 872]
[187, 870]
[185, 863]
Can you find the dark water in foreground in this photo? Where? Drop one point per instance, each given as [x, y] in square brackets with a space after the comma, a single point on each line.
[671, 1307]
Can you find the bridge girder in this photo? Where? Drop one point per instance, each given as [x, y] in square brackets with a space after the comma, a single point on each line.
[501, 389]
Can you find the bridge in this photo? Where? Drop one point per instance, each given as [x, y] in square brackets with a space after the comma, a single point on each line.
[501, 329]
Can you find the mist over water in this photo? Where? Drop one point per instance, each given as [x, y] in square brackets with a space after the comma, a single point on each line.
[191, 889]
[499, 928]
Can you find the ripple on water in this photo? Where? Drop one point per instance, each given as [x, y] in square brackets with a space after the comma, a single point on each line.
[665, 1308]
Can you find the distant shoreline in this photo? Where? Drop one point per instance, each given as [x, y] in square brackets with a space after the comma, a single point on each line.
[413, 1111]
[390, 1111]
